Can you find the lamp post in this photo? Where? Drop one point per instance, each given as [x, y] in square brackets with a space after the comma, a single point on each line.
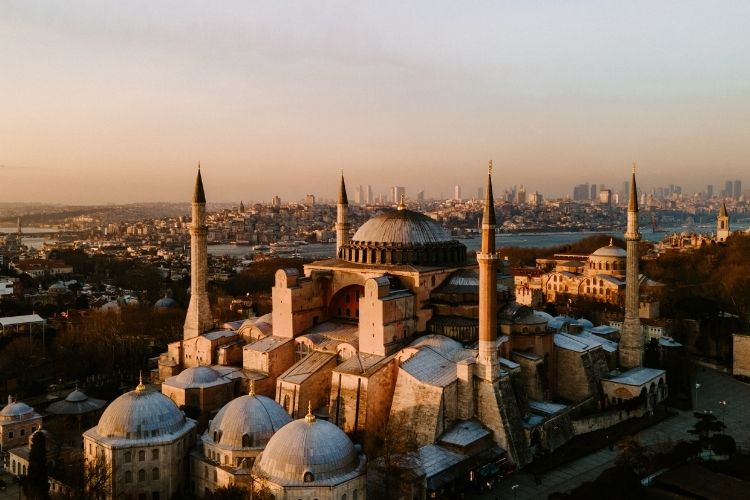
[723, 404]
[514, 489]
[697, 386]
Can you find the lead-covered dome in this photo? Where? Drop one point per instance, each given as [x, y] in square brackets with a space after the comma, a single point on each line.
[401, 226]
[308, 451]
[247, 422]
[401, 236]
[610, 251]
[141, 414]
[16, 410]
[196, 376]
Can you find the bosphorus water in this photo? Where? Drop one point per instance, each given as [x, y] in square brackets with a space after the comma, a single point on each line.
[528, 240]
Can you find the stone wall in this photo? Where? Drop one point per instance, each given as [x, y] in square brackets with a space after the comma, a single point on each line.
[741, 355]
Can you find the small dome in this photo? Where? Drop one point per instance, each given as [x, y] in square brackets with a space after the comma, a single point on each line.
[401, 226]
[166, 303]
[15, 410]
[246, 422]
[76, 397]
[305, 451]
[610, 251]
[438, 342]
[140, 414]
[198, 375]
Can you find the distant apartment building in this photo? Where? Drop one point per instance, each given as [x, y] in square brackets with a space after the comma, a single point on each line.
[37, 268]
[457, 192]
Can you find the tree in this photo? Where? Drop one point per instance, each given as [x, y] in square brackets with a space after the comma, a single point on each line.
[723, 444]
[705, 425]
[36, 485]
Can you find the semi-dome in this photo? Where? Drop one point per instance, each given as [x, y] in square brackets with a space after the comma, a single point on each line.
[403, 237]
[308, 451]
[401, 226]
[247, 422]
[141, 414]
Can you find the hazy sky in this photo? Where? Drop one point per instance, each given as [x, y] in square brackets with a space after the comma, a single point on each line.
[117, 101]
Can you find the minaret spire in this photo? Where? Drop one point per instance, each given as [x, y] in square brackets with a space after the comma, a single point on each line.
[198, 319]
[342, 218]
[722, 224]
[631, 336]
[488, 261]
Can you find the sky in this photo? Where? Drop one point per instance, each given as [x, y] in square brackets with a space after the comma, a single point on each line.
[110, 101]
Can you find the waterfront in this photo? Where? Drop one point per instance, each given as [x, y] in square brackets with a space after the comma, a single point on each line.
[527, 240]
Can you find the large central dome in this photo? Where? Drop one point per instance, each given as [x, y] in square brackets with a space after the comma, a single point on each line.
[403, 237]
[401, 226]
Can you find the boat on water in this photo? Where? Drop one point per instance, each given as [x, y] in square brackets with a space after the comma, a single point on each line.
[261, 248]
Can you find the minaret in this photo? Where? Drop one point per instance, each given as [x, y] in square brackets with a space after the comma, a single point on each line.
[722, 224]
[198, 319]
[342, 218]
[631, 336]
[488, 261]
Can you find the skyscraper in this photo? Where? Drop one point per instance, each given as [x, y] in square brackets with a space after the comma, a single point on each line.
[710, 191]
[737, 189]
[457, 192]
[397, 192]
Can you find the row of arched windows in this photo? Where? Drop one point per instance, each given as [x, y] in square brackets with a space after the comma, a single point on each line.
[128, 456]
[155, 475]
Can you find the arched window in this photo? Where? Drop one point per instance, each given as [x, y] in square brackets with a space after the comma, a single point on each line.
[141, 475]
[155, 454]
[128, 457]
[246, 441]
[128, 476]
[155, 473]
[308, 477]
[141, 455]
[216, 475]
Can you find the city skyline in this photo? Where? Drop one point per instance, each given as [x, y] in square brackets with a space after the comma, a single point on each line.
[107, 102]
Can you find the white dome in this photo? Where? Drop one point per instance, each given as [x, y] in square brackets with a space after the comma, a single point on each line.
[307, 447]
[256, 417]
[141, 414]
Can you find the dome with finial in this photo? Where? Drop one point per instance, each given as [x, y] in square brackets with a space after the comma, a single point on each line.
[309, 451]
[16, 410]
[142, 414]
[610, 251]
[246, 422]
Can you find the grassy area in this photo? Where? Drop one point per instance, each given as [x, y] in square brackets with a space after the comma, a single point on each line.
[586, 444]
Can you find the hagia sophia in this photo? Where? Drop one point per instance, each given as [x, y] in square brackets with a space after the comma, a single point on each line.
[400, 344]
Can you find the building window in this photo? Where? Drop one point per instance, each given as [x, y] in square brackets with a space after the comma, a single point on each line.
[23, 431]
[155, 474]
[10, 435]
[128, 457]
[128, 476]
[308, 477]
[216, 476]
[141, 475]
[141, 455]
[155, 454]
